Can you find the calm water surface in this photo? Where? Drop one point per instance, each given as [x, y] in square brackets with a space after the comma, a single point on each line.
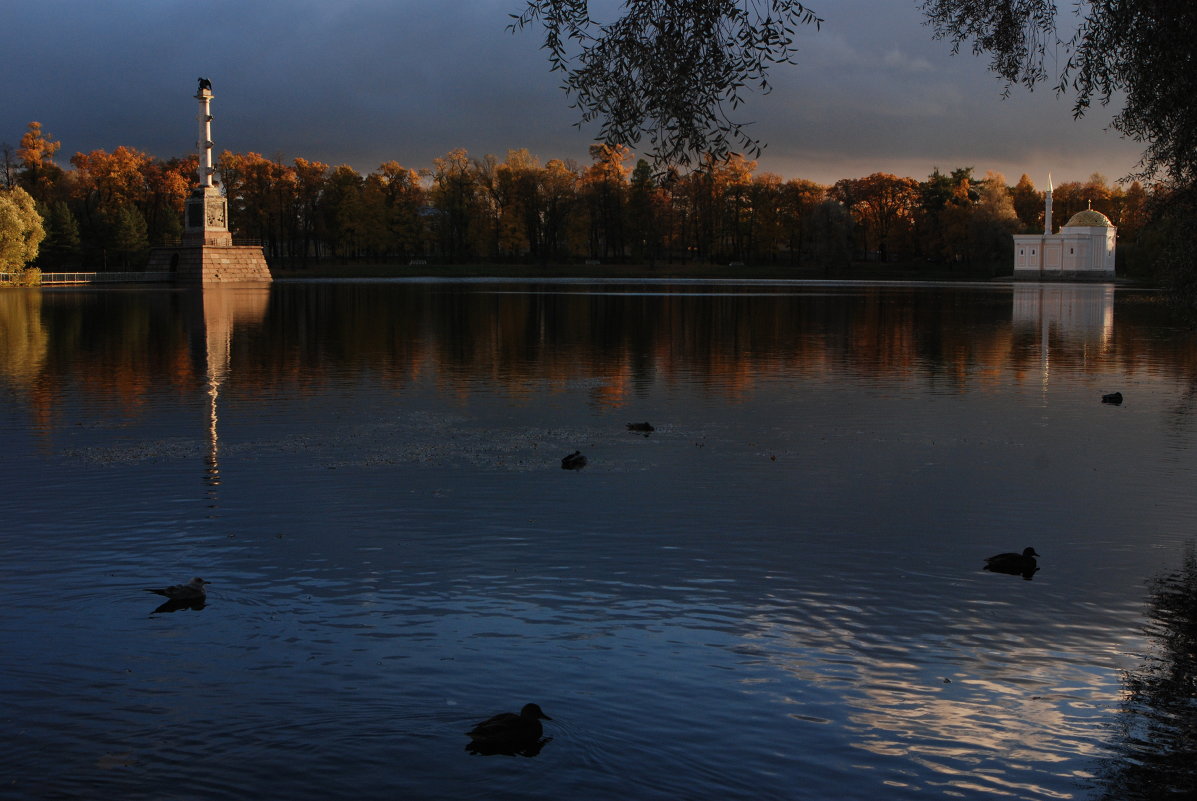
[776, 594]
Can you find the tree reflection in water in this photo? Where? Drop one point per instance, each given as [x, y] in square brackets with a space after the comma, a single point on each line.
[1156, 746]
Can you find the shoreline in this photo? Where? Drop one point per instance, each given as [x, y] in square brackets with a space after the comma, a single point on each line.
[864, 271]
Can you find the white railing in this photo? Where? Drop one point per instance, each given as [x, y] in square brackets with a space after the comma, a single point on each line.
[59, 279]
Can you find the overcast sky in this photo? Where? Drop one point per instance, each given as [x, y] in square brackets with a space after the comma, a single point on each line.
[360, 82]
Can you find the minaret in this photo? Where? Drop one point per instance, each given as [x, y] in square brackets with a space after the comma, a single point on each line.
[1047, 208]
[206, 219]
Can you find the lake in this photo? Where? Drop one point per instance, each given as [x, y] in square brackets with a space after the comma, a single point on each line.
[776, 593]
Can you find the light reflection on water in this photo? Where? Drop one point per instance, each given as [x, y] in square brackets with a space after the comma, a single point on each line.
[776, 594]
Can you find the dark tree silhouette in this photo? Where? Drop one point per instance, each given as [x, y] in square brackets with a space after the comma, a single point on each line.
[671, 70]
[668, 70]
[1143, 49]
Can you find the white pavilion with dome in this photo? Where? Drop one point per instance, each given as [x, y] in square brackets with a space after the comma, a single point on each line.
[1082, 250]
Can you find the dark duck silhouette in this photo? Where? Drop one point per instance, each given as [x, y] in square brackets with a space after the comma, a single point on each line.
[1114, 398]
[643, 428]
[575, 461]
[182, 596]
[1014, 564]
[509, 733]
[191, 591]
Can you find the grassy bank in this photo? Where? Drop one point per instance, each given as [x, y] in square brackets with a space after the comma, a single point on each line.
[865, 271]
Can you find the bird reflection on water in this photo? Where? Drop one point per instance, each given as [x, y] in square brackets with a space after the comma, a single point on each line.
[524, 748]
[178, 606]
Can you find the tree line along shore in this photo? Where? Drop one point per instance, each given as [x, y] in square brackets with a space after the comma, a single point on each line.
[614, 216]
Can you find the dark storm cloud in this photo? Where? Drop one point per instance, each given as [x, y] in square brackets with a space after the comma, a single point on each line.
[362, 82]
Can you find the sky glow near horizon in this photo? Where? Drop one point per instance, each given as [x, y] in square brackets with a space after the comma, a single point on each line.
[361, 82]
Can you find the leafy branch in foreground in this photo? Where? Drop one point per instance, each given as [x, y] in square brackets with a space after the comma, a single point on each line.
[668, 70]
[1140, 48]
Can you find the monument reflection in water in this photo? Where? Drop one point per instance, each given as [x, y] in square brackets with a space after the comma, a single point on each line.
[776, 594]
[220, 309]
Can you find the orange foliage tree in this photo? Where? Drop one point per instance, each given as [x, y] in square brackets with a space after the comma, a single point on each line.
[603, 189]
[40, 175]
[884, 206]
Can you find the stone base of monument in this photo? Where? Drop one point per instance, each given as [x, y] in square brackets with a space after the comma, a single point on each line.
[204, 264]
[207, 254]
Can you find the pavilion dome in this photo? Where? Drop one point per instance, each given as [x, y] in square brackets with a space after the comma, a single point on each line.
[1090, 219]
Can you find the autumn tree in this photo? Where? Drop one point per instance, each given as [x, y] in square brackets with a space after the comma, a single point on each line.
[104, 186]
[603, 191]
[39, 174]
[831, 231]
[262, 194]
[648, 216]
[884, 206]
[520, 225]
[799, 201]
[21, 230]
[167, 184]
[935, 194]
[353, 225]
[493, 199]
[1097, 193]
[507, 200]
[557, 193]
[714, 200]
[105, 179]
[993, 224]
[403, 198]
[1067, 199]
[1128, 210]
[956, 218]
[734, 176]
[1028, 205]
[765, 218]
[310, 178]
[454, 195]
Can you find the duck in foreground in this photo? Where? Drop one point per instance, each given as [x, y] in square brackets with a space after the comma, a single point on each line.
[1014, 564]
[1114, 398]
[644, 428]
[191, 591]
[509, 733]
[575, 461]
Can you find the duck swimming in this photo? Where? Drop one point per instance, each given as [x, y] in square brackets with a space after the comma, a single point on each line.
[644, 428]
[191, 591]
[575, 461]
[1015, 564]
[508, 732]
